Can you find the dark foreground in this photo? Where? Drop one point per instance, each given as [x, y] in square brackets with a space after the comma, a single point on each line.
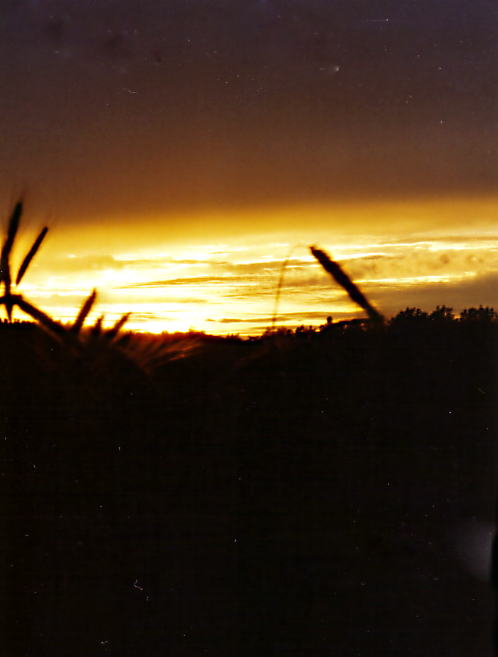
[318, 495]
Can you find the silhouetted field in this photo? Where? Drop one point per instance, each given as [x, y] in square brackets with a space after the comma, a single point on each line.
[306, 493]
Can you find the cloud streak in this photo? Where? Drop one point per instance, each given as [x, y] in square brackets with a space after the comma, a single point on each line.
[239, 289]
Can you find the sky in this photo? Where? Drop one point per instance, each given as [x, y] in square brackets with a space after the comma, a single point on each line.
[180, 151]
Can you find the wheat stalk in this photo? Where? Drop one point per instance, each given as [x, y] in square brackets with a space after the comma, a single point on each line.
[111, 333]
[343, 279]
[10, 300]
[94, 345]
[30, 255]
[42, 318]
[82, 315]
[4, 257]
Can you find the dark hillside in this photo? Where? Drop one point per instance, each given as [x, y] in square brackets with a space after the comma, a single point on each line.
[314, 493]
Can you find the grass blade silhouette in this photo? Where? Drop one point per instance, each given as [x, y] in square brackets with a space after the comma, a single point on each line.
[85, 309]
[281, 281]
[31, 254]
[279, 289]
[9, 242]
[111, 333]
[343, 279]
[96, 330]
[42, 318]
[4, 257]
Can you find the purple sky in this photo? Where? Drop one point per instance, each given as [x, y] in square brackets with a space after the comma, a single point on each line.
[117, 107]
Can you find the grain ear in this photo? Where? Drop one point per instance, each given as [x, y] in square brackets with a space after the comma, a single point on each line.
[11, 232]
[42, 318]
[31, 254]
[111, 333]
[96, 330]
[4, 257]
[340, 276]
[82, 315]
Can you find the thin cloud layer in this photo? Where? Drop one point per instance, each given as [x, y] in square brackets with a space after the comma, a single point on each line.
[238, 291]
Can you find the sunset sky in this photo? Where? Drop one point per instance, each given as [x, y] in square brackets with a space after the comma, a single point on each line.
[181, 150]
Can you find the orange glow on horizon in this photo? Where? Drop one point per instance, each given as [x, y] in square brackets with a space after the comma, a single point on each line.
[422, 254]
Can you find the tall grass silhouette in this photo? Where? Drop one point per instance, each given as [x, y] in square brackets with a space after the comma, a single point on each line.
[281, 282]
[9, 299]
[92, 342]
[340, 276]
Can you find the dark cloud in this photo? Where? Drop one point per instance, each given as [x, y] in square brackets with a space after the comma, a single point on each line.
[268, 320]
[116, 108]
[466, 293]
[234, 273]
[263, 267]
[144, 316]
[310, 292]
